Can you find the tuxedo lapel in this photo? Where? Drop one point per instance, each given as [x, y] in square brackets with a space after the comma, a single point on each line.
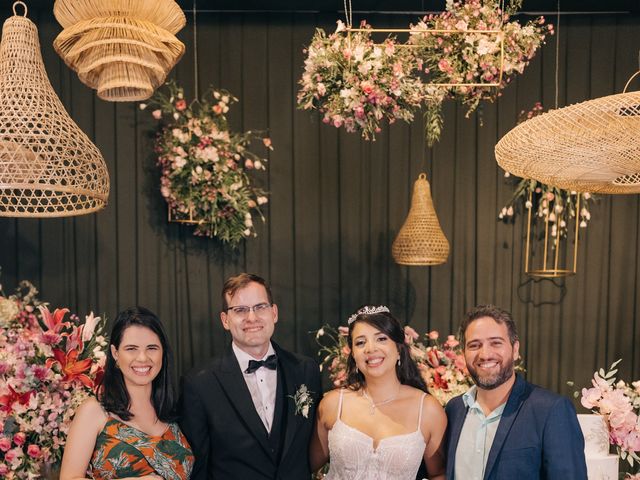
[233, 383]
[511, 410]
[293, 378]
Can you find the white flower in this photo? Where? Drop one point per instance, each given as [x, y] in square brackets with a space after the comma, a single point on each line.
[528, 204]
[176, 116]
[262, 200]
[8, 310]
[302, 400]
[246, 232]
[320, 333]
[143, 106]
[257, 165]
[89, 327]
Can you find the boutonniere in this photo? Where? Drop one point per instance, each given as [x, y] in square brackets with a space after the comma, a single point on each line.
[303, 400]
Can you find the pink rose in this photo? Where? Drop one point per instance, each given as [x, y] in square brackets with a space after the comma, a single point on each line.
[632, 443]
[4, 469]
[451, 341]
[410, 335]
[19, 438]
[5, 444]
[344, 331]
[433, 335]
[13, 454]
[181, 105]
[34, 451]
[157, 114]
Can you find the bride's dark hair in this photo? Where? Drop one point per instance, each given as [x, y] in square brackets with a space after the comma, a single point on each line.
[407, 371]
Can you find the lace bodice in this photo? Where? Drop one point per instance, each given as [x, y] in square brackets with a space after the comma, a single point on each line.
[353, 456]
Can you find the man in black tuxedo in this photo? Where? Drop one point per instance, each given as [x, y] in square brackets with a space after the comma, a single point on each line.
[238, 411]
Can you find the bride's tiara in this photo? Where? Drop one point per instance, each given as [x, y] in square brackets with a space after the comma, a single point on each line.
[367, 310]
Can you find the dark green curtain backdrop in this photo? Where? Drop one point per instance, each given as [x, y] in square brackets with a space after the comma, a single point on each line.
[336, 205]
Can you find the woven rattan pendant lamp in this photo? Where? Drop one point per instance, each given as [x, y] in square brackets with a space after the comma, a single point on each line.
[48, 166]
[421, 241]
[587, 147]
[124, 49]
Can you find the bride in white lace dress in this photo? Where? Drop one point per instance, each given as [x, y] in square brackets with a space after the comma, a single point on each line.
[383, 424]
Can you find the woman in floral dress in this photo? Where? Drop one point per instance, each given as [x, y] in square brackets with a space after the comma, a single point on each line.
[130, 430]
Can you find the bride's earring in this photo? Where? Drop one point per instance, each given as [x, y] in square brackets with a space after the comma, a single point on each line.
[398, 361]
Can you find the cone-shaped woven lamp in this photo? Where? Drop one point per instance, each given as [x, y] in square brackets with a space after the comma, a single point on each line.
[587, 147]
[124, 49]
[421, 240]
[48, 166]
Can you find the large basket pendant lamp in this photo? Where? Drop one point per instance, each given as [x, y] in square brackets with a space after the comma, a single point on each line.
[421, 241]
[123, 49]
[587, 147]
[48, 166]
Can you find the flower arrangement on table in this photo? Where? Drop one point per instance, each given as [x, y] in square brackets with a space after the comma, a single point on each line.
[204, 165]
[471, 57]
[559, 205]
[48, 366]
[356, 83]
[619, 404]
[441, 365]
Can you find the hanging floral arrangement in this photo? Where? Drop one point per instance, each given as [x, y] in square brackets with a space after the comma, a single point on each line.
[559, 205]
[356, 83]
[204, 165]
[50, 362]
[469, 56]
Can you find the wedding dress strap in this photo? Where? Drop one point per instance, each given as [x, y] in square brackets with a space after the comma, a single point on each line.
[340, 404]
[420, 414]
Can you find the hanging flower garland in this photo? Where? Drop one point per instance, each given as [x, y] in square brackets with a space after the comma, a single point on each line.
[203, 165]
[471, 57]
[356, 83]
[559, 205]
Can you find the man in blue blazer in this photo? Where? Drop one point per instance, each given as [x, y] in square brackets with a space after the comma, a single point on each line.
[505, 428]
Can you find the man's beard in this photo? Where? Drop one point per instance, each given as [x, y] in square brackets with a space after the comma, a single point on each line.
[489, 382]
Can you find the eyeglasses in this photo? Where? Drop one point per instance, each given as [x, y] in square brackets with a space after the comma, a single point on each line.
[242, 311]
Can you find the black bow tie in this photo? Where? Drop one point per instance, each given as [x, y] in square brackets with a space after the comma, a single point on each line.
[271, 362]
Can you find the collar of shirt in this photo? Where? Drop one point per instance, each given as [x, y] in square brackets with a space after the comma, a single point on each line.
[243, 357]
[470, 400]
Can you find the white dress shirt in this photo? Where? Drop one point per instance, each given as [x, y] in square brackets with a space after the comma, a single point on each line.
[262, 384]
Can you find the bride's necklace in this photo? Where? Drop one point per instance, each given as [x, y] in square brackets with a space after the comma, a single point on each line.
[373, 404]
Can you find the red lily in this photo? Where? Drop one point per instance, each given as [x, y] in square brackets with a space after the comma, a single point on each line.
[53, 321]
[7, 401]
[72, 368]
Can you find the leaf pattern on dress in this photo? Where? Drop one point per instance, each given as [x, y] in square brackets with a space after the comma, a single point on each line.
[124, 451]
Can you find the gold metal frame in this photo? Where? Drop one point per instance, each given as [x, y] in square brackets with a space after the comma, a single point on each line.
[188, 221]
[551, 272]
[453, 32]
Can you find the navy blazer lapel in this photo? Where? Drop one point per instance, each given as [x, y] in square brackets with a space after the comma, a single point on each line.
[293, 379]
[511, 410]
[233, 383]
[459, 415]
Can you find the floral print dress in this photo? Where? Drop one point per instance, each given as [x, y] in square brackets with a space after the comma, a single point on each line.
[124, 451]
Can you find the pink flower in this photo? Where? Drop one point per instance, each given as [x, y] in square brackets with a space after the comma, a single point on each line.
[416, 353]
[267, 142]
[248, 164]
[346, 350]
[433, 335]
[451, 342]
[19, 438]
[410, 335]
[444, 65]
[34, 451]
[181, 105]
[344, 331]
[590, 397]
[4, 469]
[157, 114]
[5, 444]
[13, 454]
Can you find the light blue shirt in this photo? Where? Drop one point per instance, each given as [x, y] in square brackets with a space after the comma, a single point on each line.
[476, 438]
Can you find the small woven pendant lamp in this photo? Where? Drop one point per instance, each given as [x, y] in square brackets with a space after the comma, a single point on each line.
[48, 166]
[124, 49]
[421, 240]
